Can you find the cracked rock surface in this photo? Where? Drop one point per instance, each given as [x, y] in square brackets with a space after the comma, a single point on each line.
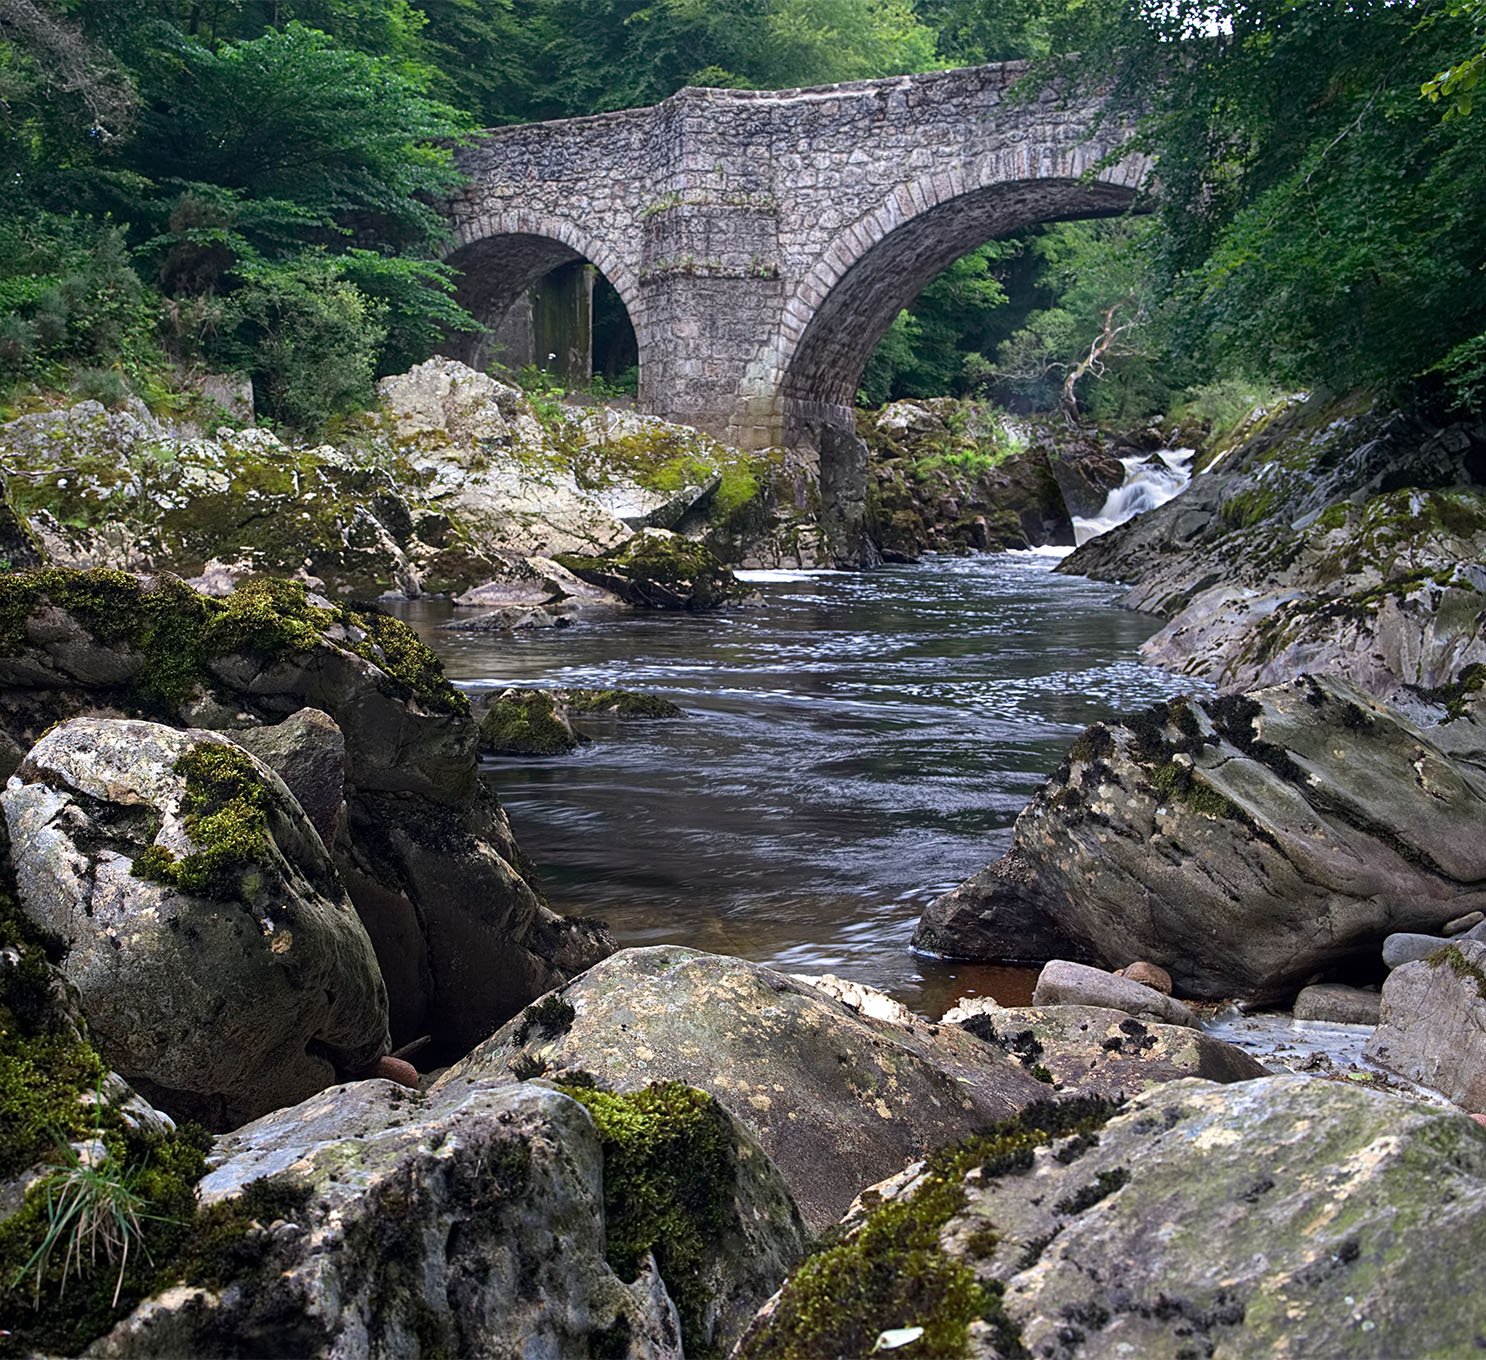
[1243, 843]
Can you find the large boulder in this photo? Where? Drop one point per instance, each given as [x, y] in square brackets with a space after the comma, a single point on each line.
[368, 1221]
[1244, 843]
[1432, 1026]
[836, 1098]
[219, 963]
[1282, 1216]
[425, 849]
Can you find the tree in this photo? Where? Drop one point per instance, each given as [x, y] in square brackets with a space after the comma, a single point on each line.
[1320, 218]
[1457, 83]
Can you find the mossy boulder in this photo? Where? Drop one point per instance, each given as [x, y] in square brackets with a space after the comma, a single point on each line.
[220, 964]
[1278, 1216]
[1244, 844]
[836, 1098]
[949, 476]
[626, 705]
[425, 852]
[886, 1280]
[527, 723]
[541, 722]
[657, 569]
[369, 1220]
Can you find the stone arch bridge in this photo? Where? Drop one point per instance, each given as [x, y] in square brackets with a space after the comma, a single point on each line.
[763, 241]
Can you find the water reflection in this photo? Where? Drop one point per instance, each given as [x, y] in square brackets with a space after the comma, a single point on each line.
[854, 745]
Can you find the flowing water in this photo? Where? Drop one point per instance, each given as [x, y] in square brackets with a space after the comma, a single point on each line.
[853, 745]
[1150, 480]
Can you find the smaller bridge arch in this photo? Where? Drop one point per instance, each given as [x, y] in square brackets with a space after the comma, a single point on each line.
[500, 256]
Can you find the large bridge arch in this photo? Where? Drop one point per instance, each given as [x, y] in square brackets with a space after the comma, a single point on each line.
[845, 305]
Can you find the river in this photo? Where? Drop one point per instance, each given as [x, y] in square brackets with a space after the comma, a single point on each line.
[853, 745]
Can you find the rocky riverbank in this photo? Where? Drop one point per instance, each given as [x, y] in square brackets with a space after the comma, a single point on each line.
[253, 880]
[454, 481]
[1314, 824]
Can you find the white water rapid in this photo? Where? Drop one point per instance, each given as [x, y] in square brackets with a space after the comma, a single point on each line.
[1150, 480]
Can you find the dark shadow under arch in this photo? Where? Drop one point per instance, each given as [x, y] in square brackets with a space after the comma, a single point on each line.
[822, 373]
[495, 271]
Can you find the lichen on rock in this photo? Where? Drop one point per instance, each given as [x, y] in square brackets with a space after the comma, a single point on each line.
[218, 960]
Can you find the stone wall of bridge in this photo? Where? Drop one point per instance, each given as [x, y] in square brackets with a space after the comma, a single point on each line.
[763, 241]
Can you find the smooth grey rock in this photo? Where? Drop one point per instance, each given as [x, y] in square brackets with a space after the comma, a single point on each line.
[1244, 843]
[1461, 924]
[506, 619]
[468, 1225]
[308, 752]
[836, 1098]
[1097, 1051]
[1062, 983]
[1408, 947]
[1335, 1004]
[1278, 1217]
[1433, 1023]
[215, 1009]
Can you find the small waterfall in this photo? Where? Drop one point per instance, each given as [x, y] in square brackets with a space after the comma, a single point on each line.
[1150, 480]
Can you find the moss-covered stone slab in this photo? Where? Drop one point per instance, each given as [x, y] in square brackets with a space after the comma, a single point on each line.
[837, 1099]
[657, 569]
[626, 705]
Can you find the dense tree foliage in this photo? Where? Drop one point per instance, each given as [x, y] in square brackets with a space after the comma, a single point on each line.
[1319, 216]
[249, 183]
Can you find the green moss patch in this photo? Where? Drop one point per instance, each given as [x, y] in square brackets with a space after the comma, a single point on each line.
[1178, 783]
[892, 1272]
[1453, 958]
[226, 815]
[177, 632]
[669, 1175]
[526, 723]
[50, 1081]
